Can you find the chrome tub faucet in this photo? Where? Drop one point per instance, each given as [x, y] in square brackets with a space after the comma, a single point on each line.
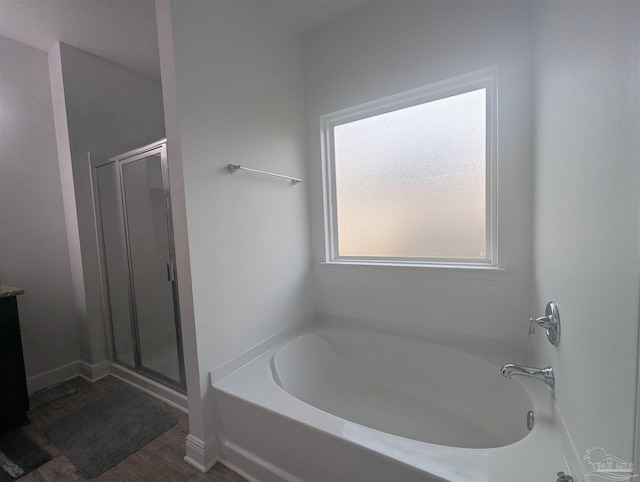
[550, 322]
[544, 374]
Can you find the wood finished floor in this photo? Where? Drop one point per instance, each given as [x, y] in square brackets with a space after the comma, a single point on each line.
[160, 460]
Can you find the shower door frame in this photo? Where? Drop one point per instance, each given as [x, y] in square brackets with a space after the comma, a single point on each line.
[156, 148]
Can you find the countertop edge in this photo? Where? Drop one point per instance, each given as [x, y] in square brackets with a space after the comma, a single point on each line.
[7, 291]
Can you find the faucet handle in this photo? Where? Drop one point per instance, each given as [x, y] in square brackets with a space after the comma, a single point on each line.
[544, 321]
[550, 322]
[532, 326]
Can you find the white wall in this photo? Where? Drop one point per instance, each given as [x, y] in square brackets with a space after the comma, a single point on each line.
[586, 223]
[388, 47]
[33, 241]
[109, 110]
[240, 100]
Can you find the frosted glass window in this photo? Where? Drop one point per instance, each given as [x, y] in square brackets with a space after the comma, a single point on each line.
[412, 183]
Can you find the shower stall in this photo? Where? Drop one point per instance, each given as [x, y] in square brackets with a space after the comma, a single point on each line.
[133, 212]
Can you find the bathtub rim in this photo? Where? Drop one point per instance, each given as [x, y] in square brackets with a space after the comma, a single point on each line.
[488, 348]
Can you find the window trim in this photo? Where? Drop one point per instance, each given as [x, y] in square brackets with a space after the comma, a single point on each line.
[486, 78]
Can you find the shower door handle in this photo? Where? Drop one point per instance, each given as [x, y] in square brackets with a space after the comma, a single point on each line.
[171, 271]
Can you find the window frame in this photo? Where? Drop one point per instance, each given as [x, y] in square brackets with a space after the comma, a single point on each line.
[483, 79]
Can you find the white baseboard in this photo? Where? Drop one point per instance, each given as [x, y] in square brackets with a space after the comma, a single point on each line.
[61, 374]
[95, 372]
[201, 455]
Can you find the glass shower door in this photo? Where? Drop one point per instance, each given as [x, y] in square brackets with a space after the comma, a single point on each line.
[147, 226]
[137, 245]
[116, 265]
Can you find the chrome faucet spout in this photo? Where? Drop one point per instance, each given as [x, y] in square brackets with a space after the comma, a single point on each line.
[544, 374]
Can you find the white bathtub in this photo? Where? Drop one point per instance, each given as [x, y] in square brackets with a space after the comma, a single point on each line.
[345, 405]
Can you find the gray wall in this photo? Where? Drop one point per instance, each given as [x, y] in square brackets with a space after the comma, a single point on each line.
[586, 224]
[110, 110]
[33, 241]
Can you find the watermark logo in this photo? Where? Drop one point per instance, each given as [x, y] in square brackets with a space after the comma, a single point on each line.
[608, 466]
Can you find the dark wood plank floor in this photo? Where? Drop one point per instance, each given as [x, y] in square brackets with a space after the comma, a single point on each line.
[160, 460]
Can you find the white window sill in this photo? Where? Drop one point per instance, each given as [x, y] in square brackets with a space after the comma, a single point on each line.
[463, 271]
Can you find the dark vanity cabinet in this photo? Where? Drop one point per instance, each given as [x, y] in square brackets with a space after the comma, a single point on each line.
[14, 401]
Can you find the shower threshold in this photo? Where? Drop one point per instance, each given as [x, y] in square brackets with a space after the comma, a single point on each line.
[156, 389]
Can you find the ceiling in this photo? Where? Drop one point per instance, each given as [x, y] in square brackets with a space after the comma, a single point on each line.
[124, 31]
[302, 16]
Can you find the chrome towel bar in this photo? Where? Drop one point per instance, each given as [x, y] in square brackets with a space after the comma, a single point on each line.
[232, 168]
